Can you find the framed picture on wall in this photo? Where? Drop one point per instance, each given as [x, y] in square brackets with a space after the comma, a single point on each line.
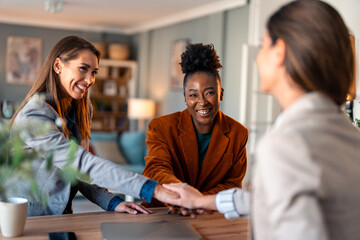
[23, 59]
[176, 75]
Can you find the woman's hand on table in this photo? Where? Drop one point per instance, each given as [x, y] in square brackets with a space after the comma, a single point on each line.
[131, 208]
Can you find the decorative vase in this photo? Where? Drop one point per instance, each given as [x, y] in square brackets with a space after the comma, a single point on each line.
[100, 46]
[13, 216]
[118, 51]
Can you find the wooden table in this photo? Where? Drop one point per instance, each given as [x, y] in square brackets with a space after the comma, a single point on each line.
[87, 225]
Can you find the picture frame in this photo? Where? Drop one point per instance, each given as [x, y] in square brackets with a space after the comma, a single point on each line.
[23, 59]
[176, 75]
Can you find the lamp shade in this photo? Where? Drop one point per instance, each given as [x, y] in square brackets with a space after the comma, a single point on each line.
[139, 108]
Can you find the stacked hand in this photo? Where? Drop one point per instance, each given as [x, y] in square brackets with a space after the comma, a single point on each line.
[190, 198]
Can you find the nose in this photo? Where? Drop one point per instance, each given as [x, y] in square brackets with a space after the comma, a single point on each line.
[90, 79]
[202, 101]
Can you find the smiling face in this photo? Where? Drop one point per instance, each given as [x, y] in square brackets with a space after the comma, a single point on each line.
[203, 94]
[77, 75]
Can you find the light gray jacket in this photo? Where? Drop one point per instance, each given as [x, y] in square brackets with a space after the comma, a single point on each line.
[103, 173]
[306, 175]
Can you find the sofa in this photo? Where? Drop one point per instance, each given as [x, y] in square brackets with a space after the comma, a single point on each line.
[127, 148]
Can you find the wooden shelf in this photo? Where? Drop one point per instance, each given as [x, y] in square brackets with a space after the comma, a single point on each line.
[110, 111]
[98, 114]
[102, 96]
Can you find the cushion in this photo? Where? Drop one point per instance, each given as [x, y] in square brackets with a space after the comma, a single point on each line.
[132, 146]
[105, 145]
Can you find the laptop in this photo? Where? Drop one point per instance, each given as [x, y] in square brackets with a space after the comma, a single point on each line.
[149, 231]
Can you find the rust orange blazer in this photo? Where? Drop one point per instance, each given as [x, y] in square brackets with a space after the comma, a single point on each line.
[173, 153]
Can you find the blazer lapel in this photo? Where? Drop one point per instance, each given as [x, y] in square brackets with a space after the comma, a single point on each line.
[216, 149]
[189, 145]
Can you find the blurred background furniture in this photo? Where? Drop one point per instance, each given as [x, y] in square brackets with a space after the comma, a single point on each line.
[114, 85]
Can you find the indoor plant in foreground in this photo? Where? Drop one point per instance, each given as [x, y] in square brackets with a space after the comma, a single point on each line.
[16, 174]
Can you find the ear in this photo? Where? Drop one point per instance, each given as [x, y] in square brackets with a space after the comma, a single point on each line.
[57, 66]
[221, 94]
[280, 51]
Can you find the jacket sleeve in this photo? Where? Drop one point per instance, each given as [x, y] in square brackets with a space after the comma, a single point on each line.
[103, 173]
[236, 172]
[98, 195]
[158, 161]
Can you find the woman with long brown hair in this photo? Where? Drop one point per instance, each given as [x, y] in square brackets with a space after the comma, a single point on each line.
[308, 166]
[67, 74]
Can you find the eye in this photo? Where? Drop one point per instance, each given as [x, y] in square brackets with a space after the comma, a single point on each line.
[84, 69]
[210, 93]
[192, 95]
[94, 72]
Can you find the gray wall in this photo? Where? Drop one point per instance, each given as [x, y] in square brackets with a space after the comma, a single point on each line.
[226, 30]
[14, 92]
[236, 34]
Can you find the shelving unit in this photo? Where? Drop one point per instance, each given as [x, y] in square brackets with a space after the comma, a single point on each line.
[114, 85]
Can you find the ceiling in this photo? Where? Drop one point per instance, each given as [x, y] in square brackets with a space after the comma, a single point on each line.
[116, 16]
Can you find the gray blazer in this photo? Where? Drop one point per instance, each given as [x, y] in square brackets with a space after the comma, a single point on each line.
[306, 175]
[103, 173]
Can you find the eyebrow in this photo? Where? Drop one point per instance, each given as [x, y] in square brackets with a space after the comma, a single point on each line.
[195, 90]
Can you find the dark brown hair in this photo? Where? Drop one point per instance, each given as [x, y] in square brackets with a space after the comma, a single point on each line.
[200, 58]
[48, 82]
[319, 55]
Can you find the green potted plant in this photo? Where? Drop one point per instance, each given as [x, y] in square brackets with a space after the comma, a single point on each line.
[16, 170]
[357, 122]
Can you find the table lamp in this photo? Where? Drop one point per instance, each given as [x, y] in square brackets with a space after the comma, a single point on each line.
[141, 109]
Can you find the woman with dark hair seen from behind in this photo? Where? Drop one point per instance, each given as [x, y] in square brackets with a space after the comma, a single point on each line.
[307, 167]
[67, 74]
[200, 145]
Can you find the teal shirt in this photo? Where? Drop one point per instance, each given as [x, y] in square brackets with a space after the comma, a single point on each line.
[203, 140]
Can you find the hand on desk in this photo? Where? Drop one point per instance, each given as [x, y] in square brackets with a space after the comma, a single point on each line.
[132, 208]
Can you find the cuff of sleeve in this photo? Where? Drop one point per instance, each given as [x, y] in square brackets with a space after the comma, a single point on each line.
[225, 203]
[147, 190]
[113, 203]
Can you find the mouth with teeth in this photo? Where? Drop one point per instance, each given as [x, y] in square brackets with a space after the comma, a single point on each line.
[81, 87]
[204, 112]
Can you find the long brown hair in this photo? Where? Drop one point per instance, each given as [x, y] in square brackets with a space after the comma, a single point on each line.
[48, 82]
[319, 55]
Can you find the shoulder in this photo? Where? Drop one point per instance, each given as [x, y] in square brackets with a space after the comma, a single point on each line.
[286, 153]
[166, 120]
[36, 108]
[234, 126]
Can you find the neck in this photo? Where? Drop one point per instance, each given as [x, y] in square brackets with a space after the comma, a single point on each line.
[288, 92]
[202, 128]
